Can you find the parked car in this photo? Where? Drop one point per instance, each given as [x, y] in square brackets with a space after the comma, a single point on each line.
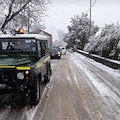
[55, 52]
[63, 50]
[24, 61]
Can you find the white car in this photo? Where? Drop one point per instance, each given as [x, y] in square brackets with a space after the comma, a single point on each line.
[63, 51]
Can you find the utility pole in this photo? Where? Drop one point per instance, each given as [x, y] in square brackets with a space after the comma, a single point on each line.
[90, 19]
[28, 16]
[21, 14]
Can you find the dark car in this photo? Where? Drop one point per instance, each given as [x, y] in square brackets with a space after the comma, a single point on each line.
[55, 52]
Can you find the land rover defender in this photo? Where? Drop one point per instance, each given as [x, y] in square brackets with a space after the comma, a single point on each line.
[24, 62]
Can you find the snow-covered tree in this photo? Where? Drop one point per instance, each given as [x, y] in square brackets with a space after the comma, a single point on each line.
[16, 12]
[60, 34]
[79, 30]
[106, 44]
[91, 45]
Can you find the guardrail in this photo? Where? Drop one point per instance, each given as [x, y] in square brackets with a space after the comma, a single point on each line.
[102, 60]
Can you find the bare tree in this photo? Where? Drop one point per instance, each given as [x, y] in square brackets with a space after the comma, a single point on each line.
[60, 34]
[12, 11]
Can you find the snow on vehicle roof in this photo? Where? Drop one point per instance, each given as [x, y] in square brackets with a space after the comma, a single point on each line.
[37, 36]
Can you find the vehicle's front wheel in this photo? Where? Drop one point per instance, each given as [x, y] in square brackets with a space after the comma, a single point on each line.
[59, 57]
[34, 94]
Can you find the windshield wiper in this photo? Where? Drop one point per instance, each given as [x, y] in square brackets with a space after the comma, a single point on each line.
[21, 50]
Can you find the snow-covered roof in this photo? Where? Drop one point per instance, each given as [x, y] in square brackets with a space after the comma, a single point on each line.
[37, 36]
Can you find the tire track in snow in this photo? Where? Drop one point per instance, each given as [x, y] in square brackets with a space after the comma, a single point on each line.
[107, 93]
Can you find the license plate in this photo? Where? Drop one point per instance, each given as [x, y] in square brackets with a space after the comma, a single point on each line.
[2, 85]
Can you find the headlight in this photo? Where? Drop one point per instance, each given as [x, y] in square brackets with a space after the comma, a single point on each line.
[20, 75]
[27, 72]
[59, 53]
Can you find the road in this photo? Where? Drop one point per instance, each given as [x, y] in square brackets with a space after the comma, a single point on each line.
[16, 107]
[81, 91]
[78, 90]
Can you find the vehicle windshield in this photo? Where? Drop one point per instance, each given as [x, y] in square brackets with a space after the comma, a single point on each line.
[54, 48]
[17, 45]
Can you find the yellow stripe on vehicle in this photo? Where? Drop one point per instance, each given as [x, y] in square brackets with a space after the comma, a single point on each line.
[42, 62]
[39, 65]
[23, 68]
[46, 59]
[7, 66]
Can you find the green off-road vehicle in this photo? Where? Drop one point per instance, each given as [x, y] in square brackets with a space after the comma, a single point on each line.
[24, 62]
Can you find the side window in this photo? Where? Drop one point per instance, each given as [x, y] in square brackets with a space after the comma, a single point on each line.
[46, 44]
[39, 49]
[46, 47]
[42, 44]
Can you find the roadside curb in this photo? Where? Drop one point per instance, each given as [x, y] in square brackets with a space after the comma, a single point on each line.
[40, 108]
[102, 60]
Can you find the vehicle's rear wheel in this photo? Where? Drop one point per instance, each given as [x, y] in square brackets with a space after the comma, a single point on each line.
[34, 94]
[47, 76]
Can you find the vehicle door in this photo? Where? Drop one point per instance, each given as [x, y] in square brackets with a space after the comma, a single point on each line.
[42, 56]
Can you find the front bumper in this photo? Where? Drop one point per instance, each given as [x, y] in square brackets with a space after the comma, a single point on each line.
[9, 80]
[55, 55]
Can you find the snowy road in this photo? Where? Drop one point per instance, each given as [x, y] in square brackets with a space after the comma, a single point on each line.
[80, 89]
[16, 107]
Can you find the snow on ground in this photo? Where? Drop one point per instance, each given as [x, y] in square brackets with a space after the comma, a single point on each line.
[68, 77]
[100, 86]
[30, 113]
[111, 71]
[115, 61]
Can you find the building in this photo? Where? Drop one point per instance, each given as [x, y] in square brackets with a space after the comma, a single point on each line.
[42, 32]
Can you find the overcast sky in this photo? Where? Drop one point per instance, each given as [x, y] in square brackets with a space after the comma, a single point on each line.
[61, 11]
